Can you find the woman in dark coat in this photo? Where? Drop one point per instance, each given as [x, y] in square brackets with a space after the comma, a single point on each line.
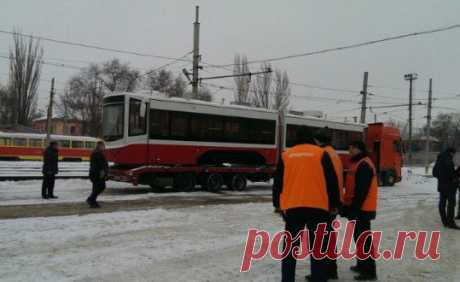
[97, 174]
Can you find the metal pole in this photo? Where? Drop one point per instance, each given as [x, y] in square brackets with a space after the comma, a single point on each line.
[428, 129]
[196, 53]
[50, 113]
[364, 99]
[410, 121]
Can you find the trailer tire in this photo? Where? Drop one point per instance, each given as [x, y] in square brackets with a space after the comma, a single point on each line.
[184, 182]
[237, 182]
[213, 182]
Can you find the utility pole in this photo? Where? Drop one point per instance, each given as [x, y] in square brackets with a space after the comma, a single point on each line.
[375, 118]
[196, 52]
[364, 99]
[50, 113]
[428, 128]
[410, 77]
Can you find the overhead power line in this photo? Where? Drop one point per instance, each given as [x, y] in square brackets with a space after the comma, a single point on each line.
[351, 46]
[51, 64]
[101, 48]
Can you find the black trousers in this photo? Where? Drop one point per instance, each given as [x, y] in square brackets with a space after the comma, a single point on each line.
[98, 188]
[48, 185]
[296, 220]
[366, 266]
[331, 263]
[458, 207]
[447, 207]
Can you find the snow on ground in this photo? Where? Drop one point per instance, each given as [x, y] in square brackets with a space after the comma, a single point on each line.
[77, 190]
[203, 243]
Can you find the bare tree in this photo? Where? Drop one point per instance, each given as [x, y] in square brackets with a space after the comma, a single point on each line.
[261, 88]
[119, 77]
[178, 87]
[83, 99]
[24, 77]
[204, 94]
[242, 82]
[6, 106]
[282, 91]
[159, 81]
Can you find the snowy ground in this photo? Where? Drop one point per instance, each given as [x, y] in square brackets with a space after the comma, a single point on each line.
[201, 243]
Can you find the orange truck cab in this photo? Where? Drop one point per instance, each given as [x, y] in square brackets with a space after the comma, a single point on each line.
[384, 146]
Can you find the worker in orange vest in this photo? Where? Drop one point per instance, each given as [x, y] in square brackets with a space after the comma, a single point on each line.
[360, 204]
[323, 139]
[306, 191]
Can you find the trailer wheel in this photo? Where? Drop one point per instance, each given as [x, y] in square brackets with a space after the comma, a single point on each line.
[184, 182]
[213, 182]
[237, 182]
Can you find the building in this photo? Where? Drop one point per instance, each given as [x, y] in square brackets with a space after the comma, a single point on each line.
[60, 126]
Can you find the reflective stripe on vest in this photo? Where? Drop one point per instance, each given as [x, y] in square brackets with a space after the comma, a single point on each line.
[370, 203]
[338, 167]
[304, 184]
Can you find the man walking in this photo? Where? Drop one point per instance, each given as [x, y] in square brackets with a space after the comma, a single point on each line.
[444, 171]
[97, 174]
[306, 191]
[49, 170]
[360, 204]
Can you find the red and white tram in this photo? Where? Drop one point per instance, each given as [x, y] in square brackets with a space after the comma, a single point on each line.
[188, 141]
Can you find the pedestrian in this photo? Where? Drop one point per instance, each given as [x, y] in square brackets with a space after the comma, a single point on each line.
[360, 204]
[97, 174]
[323, 139]
[306, 191]
[444, 171]
[49, 170]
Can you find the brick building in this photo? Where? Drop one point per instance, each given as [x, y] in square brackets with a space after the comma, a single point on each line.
[60, 126]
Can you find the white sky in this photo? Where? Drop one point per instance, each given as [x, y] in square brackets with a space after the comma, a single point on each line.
[260, 29]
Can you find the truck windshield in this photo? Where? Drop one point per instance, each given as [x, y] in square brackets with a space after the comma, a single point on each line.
[112, 122]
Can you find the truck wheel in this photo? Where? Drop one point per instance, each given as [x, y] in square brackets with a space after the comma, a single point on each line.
[184, 182]
[213, 182]
[390, 179]
[238, 182]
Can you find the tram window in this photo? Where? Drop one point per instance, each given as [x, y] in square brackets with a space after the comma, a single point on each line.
[215, 129]
[159, 124]
[35, 143]
[5, 141]
[179, 124]
[136, 118]
[264, 131]
[293, 132]
[341, 139]
[198, 127]
[232, 130]
[64, 143]
[19, 142]
[90, 145]
[77, 144]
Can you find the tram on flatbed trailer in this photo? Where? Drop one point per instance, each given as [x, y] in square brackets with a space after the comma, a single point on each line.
[160, 141]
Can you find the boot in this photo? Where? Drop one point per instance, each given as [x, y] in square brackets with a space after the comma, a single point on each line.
[458, 216]
[330, 277]
[355, 268]
[453, 225]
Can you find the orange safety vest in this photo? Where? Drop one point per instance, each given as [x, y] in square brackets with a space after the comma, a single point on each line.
[338, 167]
[304, 184]
[370, 203]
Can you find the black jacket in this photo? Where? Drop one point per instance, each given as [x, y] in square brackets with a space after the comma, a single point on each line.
[447, 176]
[329, 174]
[363, 179]
[50, 161]
[98, 166]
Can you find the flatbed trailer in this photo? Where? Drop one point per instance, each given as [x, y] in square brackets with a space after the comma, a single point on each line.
[185, 178]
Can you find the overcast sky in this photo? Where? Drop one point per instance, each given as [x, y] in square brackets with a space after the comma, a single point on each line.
[261, 29]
